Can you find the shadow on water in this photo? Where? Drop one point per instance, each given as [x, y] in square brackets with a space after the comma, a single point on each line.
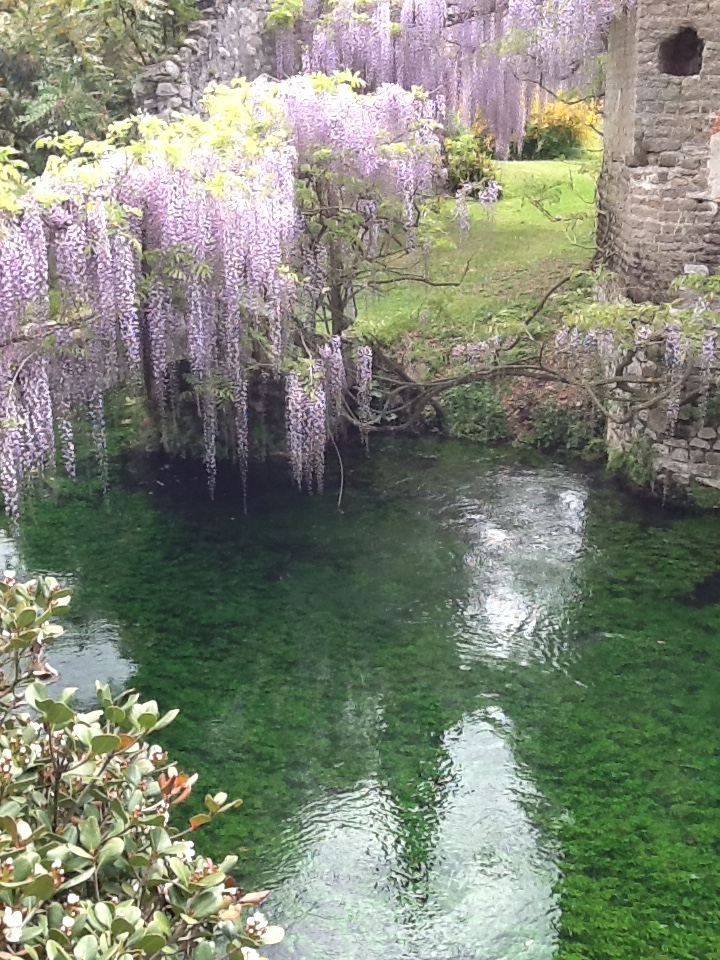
[479, 663]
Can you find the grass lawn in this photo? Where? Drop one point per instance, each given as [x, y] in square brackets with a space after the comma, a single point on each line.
[517, 254]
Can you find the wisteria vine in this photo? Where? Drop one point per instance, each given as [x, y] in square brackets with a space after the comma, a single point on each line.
[471, 56]
[192, 248]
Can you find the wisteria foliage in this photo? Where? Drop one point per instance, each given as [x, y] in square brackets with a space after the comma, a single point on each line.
[471, 56]
[192, 247]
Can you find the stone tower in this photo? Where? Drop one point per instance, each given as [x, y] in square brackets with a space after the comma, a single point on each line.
[659, 192]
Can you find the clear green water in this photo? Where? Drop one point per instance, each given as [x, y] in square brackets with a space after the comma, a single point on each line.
[476, 715]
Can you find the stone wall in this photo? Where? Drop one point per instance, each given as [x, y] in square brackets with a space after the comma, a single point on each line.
[226, 41]
[658, 210]
[689, 452]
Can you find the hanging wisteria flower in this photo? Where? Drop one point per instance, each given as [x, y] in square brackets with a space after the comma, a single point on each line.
[194, 249]
[459, 52]
[708, 349]
[673, 346]
[363, 375]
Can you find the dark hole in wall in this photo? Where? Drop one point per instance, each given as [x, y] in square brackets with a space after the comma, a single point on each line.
[682, 54]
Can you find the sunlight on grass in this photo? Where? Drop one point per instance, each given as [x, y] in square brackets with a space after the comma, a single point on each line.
[515, 255]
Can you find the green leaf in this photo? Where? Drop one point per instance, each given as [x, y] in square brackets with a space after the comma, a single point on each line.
[151, 943]
[103, 915]
[26, 618]
[110, 851]
[121, 925]
[55, 915]
[180, 869]
[199, 820]
[165, 720]
[205, 904]
[80, 878]
[228, 863]
[22, 869]
[42, 887]
[213, 879]
[147, 721]
[161, 922]
[78, 851]
[90, 835]
[55, 713]
[115, 714]
[55, 951]
[160, 840]
[105, 743]
[86, 948]
[205, 950]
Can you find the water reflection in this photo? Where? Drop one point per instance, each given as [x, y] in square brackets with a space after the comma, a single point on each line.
[89, 650]
[524, 532]
[488, 894]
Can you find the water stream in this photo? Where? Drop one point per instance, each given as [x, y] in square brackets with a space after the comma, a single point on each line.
[473, 716]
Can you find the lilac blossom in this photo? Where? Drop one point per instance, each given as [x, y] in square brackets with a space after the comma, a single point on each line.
[363, 379]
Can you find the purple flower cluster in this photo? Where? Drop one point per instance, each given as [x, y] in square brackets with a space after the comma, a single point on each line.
[331, 356]
[455, 51]
[363, 381]
[155, 265]
[306, 417]
[674, 347]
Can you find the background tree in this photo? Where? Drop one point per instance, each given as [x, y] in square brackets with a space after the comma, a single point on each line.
[70, 64]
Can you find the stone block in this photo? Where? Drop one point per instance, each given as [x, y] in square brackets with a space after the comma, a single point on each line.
[707, 433]
[682, 456]
[713, 458]
[202, 28]
[700, 444]
[167, 90]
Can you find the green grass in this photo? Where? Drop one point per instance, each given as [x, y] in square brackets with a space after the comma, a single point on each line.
[516, 254]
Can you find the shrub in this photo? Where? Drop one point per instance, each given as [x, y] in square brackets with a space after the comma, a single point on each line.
[558, 428]
[559, 130]
[469, 159]
[90, 866]
[475, 412]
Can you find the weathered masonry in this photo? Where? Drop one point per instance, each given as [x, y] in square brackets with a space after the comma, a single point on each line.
[659, 192]
[226, 41]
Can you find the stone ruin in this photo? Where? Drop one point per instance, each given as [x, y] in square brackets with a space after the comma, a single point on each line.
[226, 41]
[659, 202]
[659, 191]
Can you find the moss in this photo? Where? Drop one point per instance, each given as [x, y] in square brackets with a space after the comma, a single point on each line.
[635, 465]
[707, 498]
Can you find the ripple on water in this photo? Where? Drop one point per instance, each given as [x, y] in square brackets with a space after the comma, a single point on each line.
[524, 534]
[430, 855]
[481, 888]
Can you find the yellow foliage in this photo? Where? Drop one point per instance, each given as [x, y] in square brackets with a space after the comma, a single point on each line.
[575, 120]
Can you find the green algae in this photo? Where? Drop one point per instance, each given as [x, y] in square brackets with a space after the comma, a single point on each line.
[475, 714]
